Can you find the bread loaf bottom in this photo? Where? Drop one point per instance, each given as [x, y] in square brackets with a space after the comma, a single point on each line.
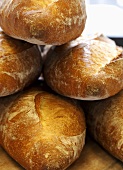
[41, 130]
[92, 157]
[20, 64]
[105, 123]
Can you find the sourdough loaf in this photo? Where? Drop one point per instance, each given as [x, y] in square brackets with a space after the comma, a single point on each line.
[20, 64]
[41, 130]
[43, 22]
[105, 123]
[86, 68]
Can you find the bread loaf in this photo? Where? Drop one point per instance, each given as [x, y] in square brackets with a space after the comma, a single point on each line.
[20, 64]
[43, 22]
[87, 69]
[41, 130]
[105, 123]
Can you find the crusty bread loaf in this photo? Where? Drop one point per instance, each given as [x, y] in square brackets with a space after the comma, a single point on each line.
[41, 130]
[105, 123]
[43, 22]
[87, 69]
[20, 64]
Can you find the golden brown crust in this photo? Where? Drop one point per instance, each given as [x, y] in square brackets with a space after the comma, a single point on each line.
[92, 157]
[105, 123]
[43, 22]
[20, 64]
[41, 130]
[85, 69]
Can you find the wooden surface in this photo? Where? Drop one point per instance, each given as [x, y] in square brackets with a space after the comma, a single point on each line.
[93, 157]
[7, 163]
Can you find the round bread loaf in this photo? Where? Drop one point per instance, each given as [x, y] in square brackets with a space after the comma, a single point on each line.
[43, 22]
[20, 64]
[87, 69]
[105, 123]
[41, 130]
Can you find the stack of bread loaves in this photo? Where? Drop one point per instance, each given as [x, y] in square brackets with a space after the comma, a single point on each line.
[42, 125]
[91, 70]
[39, 129]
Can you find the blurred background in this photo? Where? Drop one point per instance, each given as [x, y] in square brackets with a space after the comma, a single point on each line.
[105, 16]
[111, 2]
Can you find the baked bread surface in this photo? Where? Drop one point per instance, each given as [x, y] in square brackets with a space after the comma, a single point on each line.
[20, 64]
[86, 69]
[105, 123]
[41, 130]
[43, 22]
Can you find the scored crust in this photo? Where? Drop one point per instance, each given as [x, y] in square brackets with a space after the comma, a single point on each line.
[89, 69]
[41, 130]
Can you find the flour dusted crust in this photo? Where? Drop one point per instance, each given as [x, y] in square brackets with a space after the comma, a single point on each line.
[86, 68]
[41, 130]
[20, 64]
[105, 123]
[43, 22]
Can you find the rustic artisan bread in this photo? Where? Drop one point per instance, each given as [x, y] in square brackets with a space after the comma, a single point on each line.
[43, 22]
[20, 64]
[41, 130]
[87, 68]
[105, 123]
